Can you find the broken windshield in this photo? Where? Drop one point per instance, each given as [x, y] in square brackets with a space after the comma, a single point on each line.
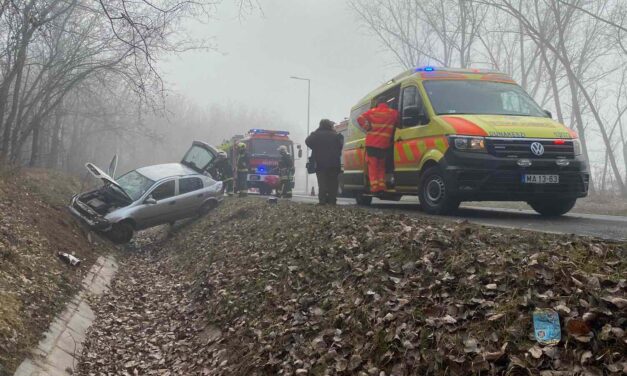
[134, 184]
[480, 97]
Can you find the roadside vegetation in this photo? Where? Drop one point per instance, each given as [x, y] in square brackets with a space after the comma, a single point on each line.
[299, 289]
[35, 284]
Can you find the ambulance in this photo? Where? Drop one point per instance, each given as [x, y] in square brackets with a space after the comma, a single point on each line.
[468, 135]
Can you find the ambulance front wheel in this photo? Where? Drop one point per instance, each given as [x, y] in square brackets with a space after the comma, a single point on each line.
[553, 208]
[434, 193]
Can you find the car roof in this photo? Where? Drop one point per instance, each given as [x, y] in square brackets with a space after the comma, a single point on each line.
[162, 171]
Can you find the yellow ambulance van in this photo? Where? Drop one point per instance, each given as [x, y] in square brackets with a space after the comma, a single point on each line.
[468, 135]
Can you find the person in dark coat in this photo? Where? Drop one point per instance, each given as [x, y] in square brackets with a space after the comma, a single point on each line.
[326, 149]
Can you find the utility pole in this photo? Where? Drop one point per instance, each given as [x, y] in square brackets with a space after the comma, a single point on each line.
[308, 120]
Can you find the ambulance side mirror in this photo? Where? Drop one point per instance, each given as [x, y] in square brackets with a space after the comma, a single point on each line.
[548, 113]
[414, 115]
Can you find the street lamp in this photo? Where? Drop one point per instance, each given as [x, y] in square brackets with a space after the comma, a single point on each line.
[308, 112]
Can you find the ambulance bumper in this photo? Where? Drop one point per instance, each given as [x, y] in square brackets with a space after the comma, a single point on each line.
[484, 177]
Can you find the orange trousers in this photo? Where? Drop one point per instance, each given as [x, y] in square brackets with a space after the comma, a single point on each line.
[376, 173]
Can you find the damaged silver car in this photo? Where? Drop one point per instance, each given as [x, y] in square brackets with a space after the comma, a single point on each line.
[150, 196]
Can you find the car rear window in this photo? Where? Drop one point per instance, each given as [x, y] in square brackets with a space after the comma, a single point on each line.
[187, 185]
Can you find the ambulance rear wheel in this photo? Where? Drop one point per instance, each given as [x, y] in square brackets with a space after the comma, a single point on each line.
[434, 193]
[553, 208]
[363, 200]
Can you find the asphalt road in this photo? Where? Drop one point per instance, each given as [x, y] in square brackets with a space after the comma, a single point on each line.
[602, 226]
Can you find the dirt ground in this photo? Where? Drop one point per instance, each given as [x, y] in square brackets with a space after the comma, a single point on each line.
[34, 283]
[294, 289]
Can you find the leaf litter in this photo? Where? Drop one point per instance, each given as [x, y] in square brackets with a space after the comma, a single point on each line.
[290, 289]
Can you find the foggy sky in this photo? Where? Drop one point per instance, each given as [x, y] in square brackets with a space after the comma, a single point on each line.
[316, 39]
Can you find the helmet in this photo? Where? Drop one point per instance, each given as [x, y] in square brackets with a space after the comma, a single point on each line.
[282, 149]
[241, 146]
[222, 154]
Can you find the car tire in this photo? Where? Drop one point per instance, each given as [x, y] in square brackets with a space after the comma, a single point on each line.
[434, 193]
[363, 200]
[553, 208]
[207, 207]
[121, 232]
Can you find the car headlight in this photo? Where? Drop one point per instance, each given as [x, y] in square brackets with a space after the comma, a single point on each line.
[577, 146]
[476, 144]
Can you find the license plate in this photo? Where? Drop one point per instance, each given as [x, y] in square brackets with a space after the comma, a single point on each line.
[254, 177]
[540, 179]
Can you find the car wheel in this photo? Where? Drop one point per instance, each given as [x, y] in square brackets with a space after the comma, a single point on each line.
[553, 208]
[121, 232]
[207, 207]
[434, 193]
[363, 200]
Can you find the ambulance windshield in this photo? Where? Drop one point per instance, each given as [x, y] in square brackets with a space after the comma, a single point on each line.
[268, 147]
[480, 97]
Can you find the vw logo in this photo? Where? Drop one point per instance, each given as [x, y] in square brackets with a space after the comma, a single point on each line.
[537, 148]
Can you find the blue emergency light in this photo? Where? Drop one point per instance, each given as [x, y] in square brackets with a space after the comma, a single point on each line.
[425, 69]
[261, 168]
[262, 131]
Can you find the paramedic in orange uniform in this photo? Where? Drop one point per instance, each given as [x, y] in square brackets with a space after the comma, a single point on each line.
[379, 123]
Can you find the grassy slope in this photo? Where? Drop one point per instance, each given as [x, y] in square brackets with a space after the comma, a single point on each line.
[34, 283]
[269, 289]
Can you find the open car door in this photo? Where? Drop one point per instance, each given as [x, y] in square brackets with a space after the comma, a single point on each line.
[200, 157]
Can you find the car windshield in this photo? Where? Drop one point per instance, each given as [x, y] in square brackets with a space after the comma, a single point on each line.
[480, 97]
[268, 147]
[134, 184]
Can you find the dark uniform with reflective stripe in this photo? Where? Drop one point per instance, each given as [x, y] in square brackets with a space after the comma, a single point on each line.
[243, 168]
[223, 171]
[286, 171]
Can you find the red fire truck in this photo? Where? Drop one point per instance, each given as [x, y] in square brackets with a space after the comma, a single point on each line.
[262, 145]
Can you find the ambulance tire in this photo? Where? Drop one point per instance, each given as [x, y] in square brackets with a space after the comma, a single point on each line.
[434, 194]
[553, 208]
[363, 200]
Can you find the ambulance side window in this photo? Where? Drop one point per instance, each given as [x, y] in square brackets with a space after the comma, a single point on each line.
[413, 112]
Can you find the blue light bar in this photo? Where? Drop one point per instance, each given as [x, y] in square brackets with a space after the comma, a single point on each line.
[425, 69]
[262, 131]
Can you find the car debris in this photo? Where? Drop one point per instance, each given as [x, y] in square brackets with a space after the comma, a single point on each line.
[69, 259]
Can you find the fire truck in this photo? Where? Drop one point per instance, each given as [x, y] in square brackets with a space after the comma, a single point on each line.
[262, 145]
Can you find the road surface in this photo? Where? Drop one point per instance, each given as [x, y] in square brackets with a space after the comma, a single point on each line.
[602, 226]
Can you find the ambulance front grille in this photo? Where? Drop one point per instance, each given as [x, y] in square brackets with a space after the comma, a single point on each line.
[521, 148]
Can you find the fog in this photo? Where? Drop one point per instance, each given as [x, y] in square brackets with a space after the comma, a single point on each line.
[82, 84]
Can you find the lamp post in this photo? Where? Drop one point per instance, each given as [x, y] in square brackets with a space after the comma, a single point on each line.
[308, 112]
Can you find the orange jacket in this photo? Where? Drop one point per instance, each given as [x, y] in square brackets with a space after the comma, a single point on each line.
[379, 122]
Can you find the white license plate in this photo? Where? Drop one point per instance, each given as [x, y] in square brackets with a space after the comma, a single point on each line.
[540, 179]
[254, 177]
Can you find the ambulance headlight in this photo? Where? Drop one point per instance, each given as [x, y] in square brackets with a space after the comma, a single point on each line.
[465, 143]
[577, 146]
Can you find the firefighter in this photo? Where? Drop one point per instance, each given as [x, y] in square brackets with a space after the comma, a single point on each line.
[379, 123]
[243, 168]
[222, 170]
[286, 172]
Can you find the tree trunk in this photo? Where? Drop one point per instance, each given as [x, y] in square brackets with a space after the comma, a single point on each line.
[53, 159]
[34, 152]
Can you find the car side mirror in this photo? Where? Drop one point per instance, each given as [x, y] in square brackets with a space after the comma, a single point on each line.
[548, 113]
[150, 201]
